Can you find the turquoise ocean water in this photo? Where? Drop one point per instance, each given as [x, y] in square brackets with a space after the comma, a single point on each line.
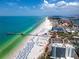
[15, 24]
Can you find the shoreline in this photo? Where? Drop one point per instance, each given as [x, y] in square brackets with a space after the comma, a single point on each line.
[25, 39]
[18, 39]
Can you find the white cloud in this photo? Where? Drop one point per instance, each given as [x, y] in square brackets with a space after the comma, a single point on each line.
[60, 8]
[46, 8]
[61, 3]
[47, 5]
[46, 2]
[73, 3]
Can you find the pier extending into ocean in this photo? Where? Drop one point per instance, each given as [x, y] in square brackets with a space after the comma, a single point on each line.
[38, 43]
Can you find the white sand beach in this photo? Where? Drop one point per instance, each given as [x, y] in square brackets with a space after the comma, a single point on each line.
[32, 46]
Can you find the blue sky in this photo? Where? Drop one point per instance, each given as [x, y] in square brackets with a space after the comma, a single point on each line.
[39, 7]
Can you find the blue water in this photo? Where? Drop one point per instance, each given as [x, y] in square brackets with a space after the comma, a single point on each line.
[76, 21]
[15, 24]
